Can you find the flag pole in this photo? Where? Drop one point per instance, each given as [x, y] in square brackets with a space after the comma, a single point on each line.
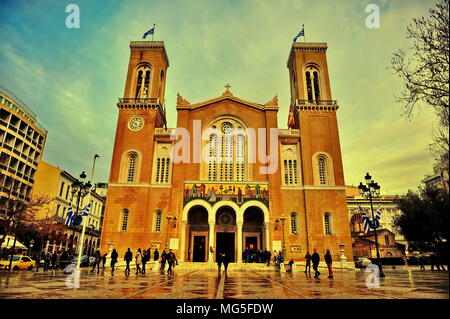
[153, 34]
[80, 252]
[304, 33]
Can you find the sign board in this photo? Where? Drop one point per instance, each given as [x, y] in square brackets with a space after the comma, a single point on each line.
[296, 249]
[276, 245]
[173, 243]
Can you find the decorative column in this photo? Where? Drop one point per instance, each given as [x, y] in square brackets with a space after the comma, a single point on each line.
[211, 240]
[267, 235]
[183, 240]
[239, 240]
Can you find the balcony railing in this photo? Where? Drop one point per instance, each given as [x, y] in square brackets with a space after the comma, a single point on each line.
[139, 101]
[289, 132]
[316, 102]
[162, 131]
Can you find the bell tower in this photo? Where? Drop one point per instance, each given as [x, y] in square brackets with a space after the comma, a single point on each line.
[315, 113]
[141, 110]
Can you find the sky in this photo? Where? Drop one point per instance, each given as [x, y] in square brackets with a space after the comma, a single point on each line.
[71, 78]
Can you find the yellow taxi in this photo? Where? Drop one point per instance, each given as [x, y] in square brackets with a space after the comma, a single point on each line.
[18, 262]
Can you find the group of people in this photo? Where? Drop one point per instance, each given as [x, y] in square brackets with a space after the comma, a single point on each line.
[435, 261]
[57, 260]
[315, 260]
[256, 256]
[142, 257]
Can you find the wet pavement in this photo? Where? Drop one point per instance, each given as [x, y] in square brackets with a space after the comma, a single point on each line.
[208, 284]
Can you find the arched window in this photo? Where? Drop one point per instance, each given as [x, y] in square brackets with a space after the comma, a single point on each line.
[327, 223]
[293, 223]
[125, 216]
[290, 164]
[131, 167]
[227, 151]
[162, 164]
[322, 167]
[312, 77]
[143, 74]
[157, 221]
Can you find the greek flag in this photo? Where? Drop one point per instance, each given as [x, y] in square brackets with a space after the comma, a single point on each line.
[86, 210]
[70, 216]
[151, 31]
[365, 221]
[301, 33]
[378, 212]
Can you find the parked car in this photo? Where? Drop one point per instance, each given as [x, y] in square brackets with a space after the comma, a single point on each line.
[18, 262]
[361, 262]
[86, 261]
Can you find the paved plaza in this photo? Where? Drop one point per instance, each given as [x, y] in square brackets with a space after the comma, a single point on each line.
[208, 284]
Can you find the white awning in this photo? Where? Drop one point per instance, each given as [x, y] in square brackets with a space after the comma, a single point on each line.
[9, 241]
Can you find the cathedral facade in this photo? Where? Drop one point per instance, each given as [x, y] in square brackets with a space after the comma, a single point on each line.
[227, 179]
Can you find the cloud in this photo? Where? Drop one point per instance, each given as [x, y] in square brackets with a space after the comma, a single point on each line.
[72, 78]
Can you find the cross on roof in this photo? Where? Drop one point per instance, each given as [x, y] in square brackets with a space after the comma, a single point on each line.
[227, 86]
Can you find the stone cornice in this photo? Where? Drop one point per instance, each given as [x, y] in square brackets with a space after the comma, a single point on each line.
[150, 46]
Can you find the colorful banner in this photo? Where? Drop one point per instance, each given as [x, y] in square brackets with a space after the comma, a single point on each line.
[214, 192]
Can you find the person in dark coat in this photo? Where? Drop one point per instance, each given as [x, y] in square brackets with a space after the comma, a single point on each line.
[163, 260]
[54, 260]
[156, 255]
[64, 259]
[98, 260]
[128, 258]
[268, 255]
[219, 260]
[422, 263]
[145, 259]
[434, 261]
[114, 256]
[104, 260]
[47, 260]
[329, 262]
[308, 263]
[171, 259]
[315, 258]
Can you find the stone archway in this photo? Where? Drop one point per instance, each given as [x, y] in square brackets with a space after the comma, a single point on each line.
[198, 234]
[225, 232]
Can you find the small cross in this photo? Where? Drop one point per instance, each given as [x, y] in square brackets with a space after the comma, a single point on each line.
[227, 86]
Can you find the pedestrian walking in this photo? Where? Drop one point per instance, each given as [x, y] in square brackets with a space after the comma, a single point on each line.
[329, 262]
[145, 259]
[54, 260]
[114, 256]
[279, 260]
[268, 256]
[128, 258]
[434, 262]
[47, 260]
[138, 261]
[219, 261]
[156, 255]
[315, 258]
[171, 259]
[163, 260]
[64, 259]
[104, 260]
[98, 260]
[422, 263]
[308, 263]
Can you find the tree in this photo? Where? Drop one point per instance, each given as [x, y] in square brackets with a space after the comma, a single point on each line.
[21, 215]
[424, 221]
[425, 70]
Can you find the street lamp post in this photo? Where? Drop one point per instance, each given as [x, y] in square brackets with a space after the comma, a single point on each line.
[169, 218]
[368, 191]
[79, 190]
[277, 221]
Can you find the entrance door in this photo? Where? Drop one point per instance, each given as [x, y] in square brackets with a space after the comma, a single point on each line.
[225, 243]
[251, 243]
[199, 249]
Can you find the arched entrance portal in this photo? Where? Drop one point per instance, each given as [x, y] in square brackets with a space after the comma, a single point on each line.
[226, 232]
[253, 229]
[198, 234]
